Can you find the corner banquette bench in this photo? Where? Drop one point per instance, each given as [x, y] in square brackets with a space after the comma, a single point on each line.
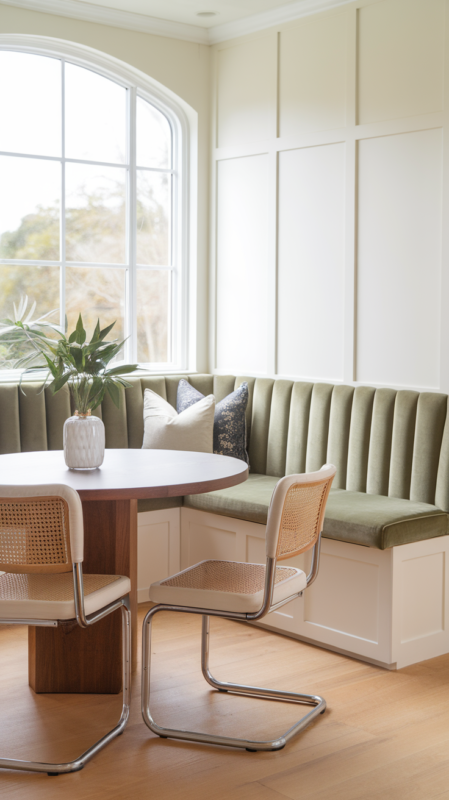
[382, 592]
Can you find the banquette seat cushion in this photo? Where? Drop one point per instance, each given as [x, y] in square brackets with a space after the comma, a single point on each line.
[391, 448]
[356, 517]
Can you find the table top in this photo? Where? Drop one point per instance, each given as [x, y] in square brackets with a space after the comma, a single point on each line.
[127, 474]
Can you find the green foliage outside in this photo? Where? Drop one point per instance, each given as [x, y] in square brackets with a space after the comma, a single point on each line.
[95, 232]
[37, 237]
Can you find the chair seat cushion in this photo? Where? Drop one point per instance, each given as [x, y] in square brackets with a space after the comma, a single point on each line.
[41, 596]
[226, 586]
[366, 519]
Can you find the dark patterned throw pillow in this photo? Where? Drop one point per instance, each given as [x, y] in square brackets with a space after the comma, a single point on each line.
[229, 420]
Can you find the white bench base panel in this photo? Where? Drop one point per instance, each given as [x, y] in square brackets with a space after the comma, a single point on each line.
[388, 607]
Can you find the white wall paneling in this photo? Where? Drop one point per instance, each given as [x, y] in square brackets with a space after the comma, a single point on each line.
[350, 198]
[399, 259]
[401, 56]
[312, 75]
[311, 262]
[364, 80]
[246, 83]
[444, 295]
[242, 263]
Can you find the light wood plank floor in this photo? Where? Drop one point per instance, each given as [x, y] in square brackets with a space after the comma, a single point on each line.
[385, 735]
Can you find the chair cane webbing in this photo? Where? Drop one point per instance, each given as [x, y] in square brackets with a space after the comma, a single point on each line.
[52, 588]
[227, 576]
[301, 515]
[34, 535]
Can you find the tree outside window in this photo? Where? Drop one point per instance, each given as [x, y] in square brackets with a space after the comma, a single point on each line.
[86, 207]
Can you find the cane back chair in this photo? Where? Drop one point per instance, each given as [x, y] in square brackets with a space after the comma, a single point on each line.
[41, 554]
[242, 591]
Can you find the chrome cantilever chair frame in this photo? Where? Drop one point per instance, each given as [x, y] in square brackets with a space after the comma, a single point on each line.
[318, 703]
[84, 622]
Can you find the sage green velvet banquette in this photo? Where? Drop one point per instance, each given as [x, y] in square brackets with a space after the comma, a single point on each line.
[391, 448]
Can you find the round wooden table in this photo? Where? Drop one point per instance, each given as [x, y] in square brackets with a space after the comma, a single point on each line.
[68, 658]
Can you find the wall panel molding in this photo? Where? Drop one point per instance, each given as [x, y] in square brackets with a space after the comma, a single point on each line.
[444, 299]
[399, 259]
[427, 279]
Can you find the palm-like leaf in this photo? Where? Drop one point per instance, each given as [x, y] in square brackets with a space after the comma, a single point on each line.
[71, 360]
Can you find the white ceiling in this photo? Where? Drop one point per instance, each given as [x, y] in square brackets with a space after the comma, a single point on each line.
[179, 18]
[186, 11]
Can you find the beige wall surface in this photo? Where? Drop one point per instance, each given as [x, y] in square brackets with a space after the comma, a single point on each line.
[183, 67]
[347, 112]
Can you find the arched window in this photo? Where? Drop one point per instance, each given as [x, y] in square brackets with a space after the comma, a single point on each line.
[91, 214]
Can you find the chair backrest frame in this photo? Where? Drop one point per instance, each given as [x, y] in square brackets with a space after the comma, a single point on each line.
[324, 476]
[320, 483]
[41, 529]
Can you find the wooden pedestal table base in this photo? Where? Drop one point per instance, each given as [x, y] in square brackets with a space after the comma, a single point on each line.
[73, 659]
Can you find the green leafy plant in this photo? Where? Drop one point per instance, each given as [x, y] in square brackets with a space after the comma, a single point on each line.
[19, 336]
[71, 360]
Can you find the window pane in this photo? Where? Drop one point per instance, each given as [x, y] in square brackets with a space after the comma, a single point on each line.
[95, 214]
[153, 315]
[29, 208]
[96, 293]
[40, 284]
[153, 218]
[153, 137]
[95, 117]
[30, 103]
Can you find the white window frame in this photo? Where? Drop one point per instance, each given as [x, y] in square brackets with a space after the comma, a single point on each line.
[183, 122]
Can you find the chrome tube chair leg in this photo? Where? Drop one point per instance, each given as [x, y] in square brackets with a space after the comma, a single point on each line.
[270, 694]
[78, 763]
[294, 524]
[195, 736]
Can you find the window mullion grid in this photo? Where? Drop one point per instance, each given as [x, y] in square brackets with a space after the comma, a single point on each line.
[156, 169]
[38, 157]
[131, 315]
[172, 318]
[175, 339]
[175, 309]
[172, 344]
[62, 205]
[20, 262]
[47, 263]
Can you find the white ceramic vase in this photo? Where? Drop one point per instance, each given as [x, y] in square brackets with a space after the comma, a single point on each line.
[84, 441]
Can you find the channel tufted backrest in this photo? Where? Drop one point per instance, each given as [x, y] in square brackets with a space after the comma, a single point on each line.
[430, 422]
[382, 441]
[33, 419]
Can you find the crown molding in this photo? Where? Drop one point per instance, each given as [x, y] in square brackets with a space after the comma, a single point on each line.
[269, 19]
[116, 18]
[178, 30]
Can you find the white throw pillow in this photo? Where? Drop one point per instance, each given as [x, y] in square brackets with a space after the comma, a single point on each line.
[165, 429]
